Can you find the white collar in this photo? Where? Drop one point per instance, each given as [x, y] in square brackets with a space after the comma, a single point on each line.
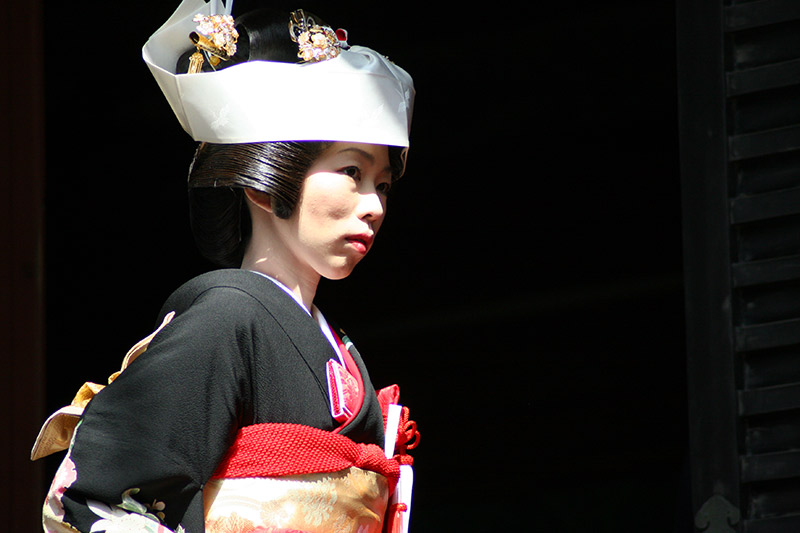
[314, 313]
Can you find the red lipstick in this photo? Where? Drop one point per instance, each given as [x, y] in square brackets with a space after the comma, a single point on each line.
[360, 242]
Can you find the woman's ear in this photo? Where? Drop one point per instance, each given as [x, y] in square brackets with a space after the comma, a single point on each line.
[259, 199]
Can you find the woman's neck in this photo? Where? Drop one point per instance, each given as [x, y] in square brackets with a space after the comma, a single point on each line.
[262, 257]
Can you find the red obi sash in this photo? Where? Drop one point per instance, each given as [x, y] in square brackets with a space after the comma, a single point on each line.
[274, 450]
[279, 450]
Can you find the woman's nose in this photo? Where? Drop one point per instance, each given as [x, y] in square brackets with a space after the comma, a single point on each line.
[371, 205]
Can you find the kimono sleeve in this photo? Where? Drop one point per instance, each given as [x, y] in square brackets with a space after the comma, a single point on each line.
[148, 442]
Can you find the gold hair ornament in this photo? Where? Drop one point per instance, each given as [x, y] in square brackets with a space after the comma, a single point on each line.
[315, 42]
[215, 38]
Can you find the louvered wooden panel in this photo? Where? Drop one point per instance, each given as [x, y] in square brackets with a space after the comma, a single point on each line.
[779, 524]
[763, 88]
[751, 158]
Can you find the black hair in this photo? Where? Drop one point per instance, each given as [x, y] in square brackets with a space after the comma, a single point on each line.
[263, 35]
[219, 215]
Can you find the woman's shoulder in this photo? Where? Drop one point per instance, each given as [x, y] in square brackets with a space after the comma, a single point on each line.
[223, 278]
[234, 290]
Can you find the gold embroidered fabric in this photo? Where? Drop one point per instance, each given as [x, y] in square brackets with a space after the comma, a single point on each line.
[348, 501]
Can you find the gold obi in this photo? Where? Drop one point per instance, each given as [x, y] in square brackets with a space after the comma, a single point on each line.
[348, 501]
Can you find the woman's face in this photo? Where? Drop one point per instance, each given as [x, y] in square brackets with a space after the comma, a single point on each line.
[341, 208]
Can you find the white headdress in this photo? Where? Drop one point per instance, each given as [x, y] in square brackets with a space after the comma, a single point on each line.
[356, 96]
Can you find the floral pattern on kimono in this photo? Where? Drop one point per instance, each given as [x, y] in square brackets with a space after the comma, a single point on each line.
[53, 509]
[130, 516]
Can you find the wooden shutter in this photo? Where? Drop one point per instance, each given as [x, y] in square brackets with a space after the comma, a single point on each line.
[739, 87]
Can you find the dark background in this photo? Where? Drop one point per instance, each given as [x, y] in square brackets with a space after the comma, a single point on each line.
[526, 290]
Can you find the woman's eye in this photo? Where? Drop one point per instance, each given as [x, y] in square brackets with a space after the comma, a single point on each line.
[353, 172]
[384, 187]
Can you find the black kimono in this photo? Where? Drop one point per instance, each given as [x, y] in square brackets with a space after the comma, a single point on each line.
[239, 351]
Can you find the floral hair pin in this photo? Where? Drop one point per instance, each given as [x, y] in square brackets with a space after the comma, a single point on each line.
[315, 42]
[215, 38]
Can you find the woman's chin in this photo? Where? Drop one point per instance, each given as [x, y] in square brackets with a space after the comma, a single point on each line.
[338, 272]
[334, 276]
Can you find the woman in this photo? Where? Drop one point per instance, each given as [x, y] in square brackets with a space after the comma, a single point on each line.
[248, 411]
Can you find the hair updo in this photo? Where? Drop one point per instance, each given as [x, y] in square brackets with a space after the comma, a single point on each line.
[219, 216]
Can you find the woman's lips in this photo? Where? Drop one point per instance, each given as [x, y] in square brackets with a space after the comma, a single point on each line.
[360, 242]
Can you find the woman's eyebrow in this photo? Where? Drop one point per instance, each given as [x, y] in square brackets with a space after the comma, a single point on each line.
[367, 155]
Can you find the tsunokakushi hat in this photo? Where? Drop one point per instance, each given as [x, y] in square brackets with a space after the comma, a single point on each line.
[334, 92]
